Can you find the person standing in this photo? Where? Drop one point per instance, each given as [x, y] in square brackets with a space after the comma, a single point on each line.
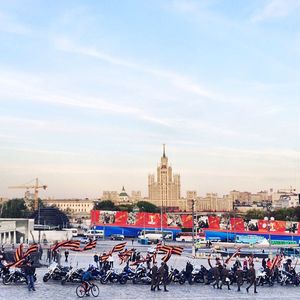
[49, 255]
[29, 270]
[96, 260]
[111, 261]
[66, 255]
[252, 278]
[148, 261]
[163, 275]
[239, 274]
[188, 272]
[264, 263]
[58, 257]
[40, 251]
[216, 274]
[225, 277]
[154, 279]
[132, 242]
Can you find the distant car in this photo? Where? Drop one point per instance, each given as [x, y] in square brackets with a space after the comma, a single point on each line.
[117, 237]
[84, 240]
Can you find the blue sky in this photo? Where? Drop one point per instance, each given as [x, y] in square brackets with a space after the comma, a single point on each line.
[90, 90]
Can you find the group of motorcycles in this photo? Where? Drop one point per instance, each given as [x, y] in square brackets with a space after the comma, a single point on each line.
[141, 275]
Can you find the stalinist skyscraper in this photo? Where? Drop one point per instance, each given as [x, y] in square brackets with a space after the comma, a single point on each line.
[166, 190]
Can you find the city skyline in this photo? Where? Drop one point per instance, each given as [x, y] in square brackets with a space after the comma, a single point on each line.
[90, 91]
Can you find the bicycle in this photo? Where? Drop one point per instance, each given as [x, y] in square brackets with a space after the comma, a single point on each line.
[81, 291]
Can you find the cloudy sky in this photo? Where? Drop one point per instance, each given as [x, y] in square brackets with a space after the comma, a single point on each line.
[90, 90]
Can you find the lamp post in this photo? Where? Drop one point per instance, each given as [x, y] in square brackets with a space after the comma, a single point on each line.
[193, 227]
[269, 228]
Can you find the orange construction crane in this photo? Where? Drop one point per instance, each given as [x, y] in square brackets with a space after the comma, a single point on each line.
[36, 188]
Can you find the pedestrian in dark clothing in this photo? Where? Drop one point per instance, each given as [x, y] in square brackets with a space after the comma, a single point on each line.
[49, 255]
[188, 272]
[66, 255]
[148, 261]
[239, 274]
[40, 251]
[216, 274]
[252, 278]
[54, 255]
[163, 275]
[154, 277]
[264, 263]
[96, 260]
[225, 277]
[132, 241]
[29, 271]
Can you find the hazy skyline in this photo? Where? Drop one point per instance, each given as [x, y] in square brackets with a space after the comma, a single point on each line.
[90, 90]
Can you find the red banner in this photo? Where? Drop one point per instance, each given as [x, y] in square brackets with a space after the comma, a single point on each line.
[214, 222]
[187, 221]
[95, 216]
[237, 224]
[278, 226]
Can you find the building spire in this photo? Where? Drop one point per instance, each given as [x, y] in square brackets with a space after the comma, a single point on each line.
[164, 150]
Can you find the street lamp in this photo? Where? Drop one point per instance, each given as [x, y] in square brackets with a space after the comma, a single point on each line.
[193, 226]
[269, 228]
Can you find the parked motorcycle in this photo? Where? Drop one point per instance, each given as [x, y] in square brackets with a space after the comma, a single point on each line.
[142, 276]
[110, 276]
[15, 277]
[55, 272]
[73, 276]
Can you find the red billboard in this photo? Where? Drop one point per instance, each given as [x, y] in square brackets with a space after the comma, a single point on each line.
[237, 224]
[214, 222]
[279, 226]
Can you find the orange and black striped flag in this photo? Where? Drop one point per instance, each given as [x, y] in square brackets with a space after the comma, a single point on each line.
[19, 253]
[167, 256]
[119, 247]
[104, 257]
[90, 245]
[31, 249]
[165, 248]
[72, 244]
[177, 250]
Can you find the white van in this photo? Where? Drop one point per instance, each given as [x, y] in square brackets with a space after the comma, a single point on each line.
[94, 233]
[73, 230]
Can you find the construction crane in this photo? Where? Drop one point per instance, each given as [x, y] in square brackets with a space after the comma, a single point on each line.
[36, 188]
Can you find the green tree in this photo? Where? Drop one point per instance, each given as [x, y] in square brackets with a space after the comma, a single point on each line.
[125, 207]
[14, 208]
[105, 205]
[145, 206]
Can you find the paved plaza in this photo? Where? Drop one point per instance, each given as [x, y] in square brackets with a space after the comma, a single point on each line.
[54, 290]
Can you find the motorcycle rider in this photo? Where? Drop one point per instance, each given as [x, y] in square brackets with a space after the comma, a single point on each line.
[225, 277]
[252, 278]
[29, 271]
[154, 277]
[188, 272]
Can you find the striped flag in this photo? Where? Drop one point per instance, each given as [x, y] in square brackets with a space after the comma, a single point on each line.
[104, 257]
[177, 250]
[19, 253]
[16, 264]
[31, 249]
[232, 256]
[119, 247]
[90, 245]
[167, 256]
[71, 244]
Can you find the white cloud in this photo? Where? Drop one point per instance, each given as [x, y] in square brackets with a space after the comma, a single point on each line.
[11, 25]
[276, 9]
[177, 80]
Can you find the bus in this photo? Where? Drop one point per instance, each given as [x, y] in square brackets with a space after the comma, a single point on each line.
[153, 235]
[184, 237]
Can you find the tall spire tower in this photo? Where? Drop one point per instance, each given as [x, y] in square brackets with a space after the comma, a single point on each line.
[166, 188]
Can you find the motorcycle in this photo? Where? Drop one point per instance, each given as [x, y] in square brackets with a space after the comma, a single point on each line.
[110, 276]
[142, 276]
[176, 276]
[290, 278]
[55, 272]
[263, 277]
[15, 277]
[73, 276]
[127, 274]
